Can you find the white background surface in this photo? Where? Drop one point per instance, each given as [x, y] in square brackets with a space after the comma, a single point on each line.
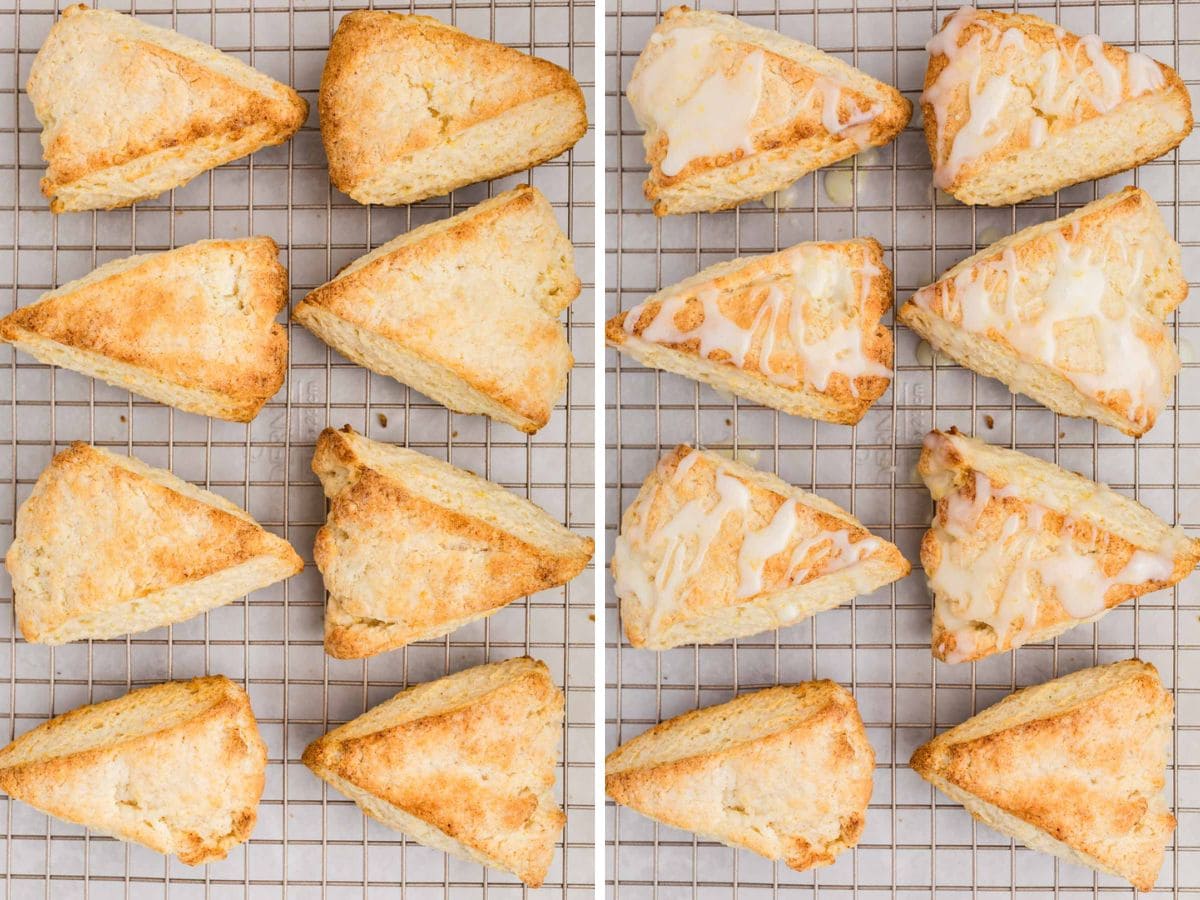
[310, 841]
[879, 645]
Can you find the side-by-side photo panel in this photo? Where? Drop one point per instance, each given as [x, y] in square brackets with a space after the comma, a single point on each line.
[297, 450]
[900, 519]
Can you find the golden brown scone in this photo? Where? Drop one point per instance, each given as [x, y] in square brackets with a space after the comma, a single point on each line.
[464, 764]
[1015, 107]
[178, 767]
[1073, 767]
[107, 545]
[1021, 550]
[193, 328]
[711, 549]
[415, 548]
[129, 110]
[465, 310]
[798, 330]
[733, 113]
[412, 108]
[1070, 312]
[785, 773]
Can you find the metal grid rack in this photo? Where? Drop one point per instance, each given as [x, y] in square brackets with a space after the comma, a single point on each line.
[309, 841]
[878, 646]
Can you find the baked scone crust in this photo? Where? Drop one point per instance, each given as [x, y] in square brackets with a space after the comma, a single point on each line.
[1069, 312]
[788, 131]
[1074, 767]
[193, 327]
[130, 110]
[413, 108]
[178, 767]
[107, 545]
[712, 549]
[466, 310]
[414, 548]
[1021, 550]
[785, 772]
[1057, 109]
[799, 330]
[464, 764]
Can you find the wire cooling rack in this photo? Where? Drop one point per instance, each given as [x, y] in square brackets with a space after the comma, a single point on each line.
[310, 841]
[878, 646]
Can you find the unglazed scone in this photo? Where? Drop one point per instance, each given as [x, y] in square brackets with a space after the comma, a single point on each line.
[1074, 767]
[413, 108]
[785, 773]
[798, 330]
[1015, 107]
[1021, 550]
[193, 328]
[464, 764]
[733, 113]
[414, 548]
[129, 110]
[712, 549]
[107, 545]
[178, 767]
[465, 310]
[1071, 312]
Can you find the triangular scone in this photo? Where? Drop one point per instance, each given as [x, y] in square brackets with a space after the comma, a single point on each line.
[464, 764]
[1021, 550]
[785, 773]
[1070, 312]
[711, 549]
[415, 548]
[178, 767]
[193, 328]
[1074, 767]
[129, 110]
[413, 108]
[798, 330]
[107, 545]
[733, 113]
[465, 310]
[1015, 107]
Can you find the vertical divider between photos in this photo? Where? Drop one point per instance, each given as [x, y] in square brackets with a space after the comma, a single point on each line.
[599, 183]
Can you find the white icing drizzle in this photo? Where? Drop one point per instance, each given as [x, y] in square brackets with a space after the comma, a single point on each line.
[760, 546]
[830, 94]
[716, 332]
[996, 587]
[1066, 76]
[816, 279]
[699, 91]
[1069, 305]
[683, 541]
[689, 91]
[1145, 75]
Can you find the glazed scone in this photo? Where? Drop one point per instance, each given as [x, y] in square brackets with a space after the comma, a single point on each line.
[712, 549]
[129, 110]
[785, 773]
[1070, 312]
[413, 108]
[1074, 767]
[465, 310]
[733, 113]
[193, 328]
[1015, 107]
[798, 330]
[107, 545]
[177, 767]
[464, 764]
[1021, 550]
[414, 548]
